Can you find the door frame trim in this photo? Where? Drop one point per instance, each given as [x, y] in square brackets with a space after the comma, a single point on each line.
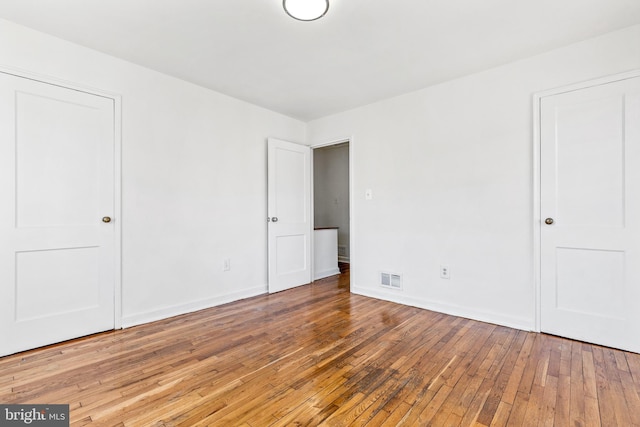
[117, 169]
[350, 141]
[537, 188]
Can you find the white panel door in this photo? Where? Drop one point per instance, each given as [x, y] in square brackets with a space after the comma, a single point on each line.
[289, 214]
[57, 255]
[590, 210]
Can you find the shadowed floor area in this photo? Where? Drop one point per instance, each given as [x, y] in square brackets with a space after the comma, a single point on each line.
[318, 355]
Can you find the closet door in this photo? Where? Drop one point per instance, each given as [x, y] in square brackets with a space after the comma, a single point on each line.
[57, 234]
[590, 210]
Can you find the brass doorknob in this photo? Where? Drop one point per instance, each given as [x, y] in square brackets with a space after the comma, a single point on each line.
[548, 221]
[106, 219]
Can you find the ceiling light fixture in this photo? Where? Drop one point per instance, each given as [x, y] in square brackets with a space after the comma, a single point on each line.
[306, 10]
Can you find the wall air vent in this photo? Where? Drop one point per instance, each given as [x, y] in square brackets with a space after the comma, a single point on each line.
[391, 281]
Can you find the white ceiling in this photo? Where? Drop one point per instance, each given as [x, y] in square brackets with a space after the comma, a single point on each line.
[360, 52]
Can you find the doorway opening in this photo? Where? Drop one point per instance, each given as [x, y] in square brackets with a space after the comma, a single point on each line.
[331, 209]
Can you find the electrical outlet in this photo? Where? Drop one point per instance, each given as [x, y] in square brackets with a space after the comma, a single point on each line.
[227, 264]
[445, 273]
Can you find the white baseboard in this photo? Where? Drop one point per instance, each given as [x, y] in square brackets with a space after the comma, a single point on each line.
[343, 259]
[524, 324]
[325, 273]
[164, 313]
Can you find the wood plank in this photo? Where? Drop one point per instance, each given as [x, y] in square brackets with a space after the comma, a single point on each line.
[621, 406]
[606, 398]
[548, 410]
[577, 405]
[502, 415]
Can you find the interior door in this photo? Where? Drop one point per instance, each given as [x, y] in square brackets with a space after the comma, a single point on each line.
[289, 214]
[590, 210]
[57, 253]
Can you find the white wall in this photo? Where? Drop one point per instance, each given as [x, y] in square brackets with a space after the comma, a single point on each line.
[331, 190]
[193, 174]
[450, 167]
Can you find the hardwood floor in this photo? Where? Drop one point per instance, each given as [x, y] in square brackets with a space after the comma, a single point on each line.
[318, 355]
